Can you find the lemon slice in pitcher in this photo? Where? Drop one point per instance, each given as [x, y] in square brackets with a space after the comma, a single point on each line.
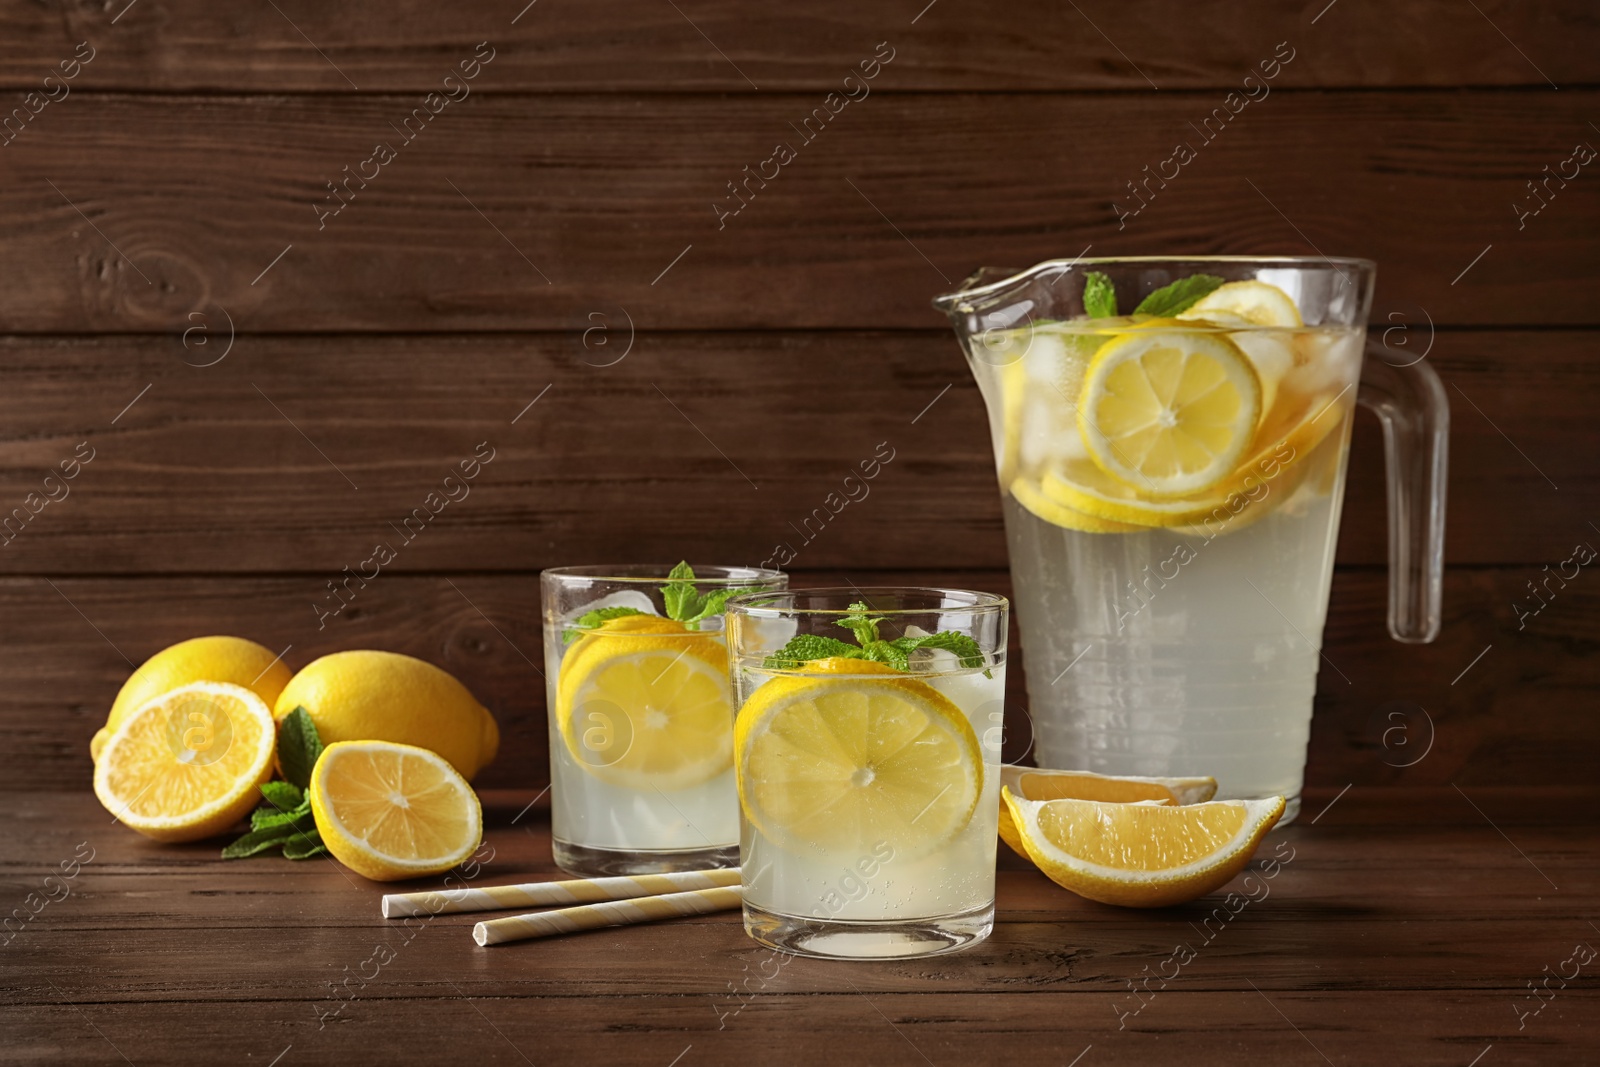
[1170, 411]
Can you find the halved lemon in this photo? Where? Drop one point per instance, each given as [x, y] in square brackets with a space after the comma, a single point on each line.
[1032, 783]
[1169, 411]
[188, 764]
[860, 753]
[391, 811]
[644, 702]
[1141, 855]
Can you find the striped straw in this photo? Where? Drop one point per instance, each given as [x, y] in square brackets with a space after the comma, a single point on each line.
[540, 894]
[611, 913]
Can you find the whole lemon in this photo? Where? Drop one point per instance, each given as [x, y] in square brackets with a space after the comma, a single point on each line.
[383, 696]
[200, 659]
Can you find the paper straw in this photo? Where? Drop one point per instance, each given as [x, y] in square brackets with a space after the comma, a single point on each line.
[538, 894]
[612, 913]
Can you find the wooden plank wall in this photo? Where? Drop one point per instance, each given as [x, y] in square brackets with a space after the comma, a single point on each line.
[268, 373]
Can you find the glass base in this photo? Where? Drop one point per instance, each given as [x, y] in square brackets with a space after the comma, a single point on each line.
[587, 862]
[856, 939]
[1291, 811]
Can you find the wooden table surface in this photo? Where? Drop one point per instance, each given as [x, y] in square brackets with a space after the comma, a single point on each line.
[1389, 925]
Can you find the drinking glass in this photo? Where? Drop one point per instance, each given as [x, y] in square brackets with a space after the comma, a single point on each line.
[1172, 612]
[641, 717]
[867, 749]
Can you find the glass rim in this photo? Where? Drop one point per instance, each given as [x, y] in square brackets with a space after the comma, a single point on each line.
[618, 572]
[1013, 276]
[980, 602]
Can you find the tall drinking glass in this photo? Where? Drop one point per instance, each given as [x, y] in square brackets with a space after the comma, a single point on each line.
[641, 716]
[1171, 437]
[867, 747]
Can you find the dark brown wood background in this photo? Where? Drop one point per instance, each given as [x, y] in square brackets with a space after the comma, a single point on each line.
[162, 214]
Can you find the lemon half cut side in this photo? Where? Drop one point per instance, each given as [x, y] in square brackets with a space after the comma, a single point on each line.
[186, 765]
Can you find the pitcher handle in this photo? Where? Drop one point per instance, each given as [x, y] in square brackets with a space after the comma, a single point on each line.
[1411, 404]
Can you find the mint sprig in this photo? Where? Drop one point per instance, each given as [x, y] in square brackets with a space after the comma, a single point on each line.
[863, 626]
[1099, 295]
[285, 821]
[1180, 296]
[684, 603]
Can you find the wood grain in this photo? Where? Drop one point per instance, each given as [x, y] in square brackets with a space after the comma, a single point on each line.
[1518, 713]
[186, 45]
[1424, 924]
[594, 203]
[300, 454]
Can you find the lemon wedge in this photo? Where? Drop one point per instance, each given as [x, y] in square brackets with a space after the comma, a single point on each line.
[870, 754]
[390, 811]
[1141, 855]
[187, 764]
[1169, 411]
[644, 702]
[1033, 783]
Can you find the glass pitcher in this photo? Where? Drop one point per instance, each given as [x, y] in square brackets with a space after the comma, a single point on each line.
[1171, 438]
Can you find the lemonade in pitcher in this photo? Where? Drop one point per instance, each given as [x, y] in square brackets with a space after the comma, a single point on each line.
[1171, 456]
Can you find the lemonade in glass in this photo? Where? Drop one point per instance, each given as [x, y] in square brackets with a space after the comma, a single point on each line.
[641, 716]
[867, 748]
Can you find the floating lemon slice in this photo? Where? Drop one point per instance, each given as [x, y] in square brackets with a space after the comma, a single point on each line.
[1029, 494]
[391, 811]
[837, 763]
[1169, 411]
[1246, 307]
[187, 764]
[1257, 303]
[1141, 855]
[1032, 783]
[644, 702]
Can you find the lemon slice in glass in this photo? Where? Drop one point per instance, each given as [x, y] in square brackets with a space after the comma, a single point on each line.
[837, 763]
[1143, 854]
[644, 702]
[1169, 412]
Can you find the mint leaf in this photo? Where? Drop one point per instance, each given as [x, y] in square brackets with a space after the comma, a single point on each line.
[886, 652]
[679, 595]
[970, 652]
[258, 841]
[298, 747]
[283, 795]
[591, 620]
[715, 603]
[1099, 296]
[803, 648]
[1181, 295]
[305, 845]
[861, 624]
[266, 817]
